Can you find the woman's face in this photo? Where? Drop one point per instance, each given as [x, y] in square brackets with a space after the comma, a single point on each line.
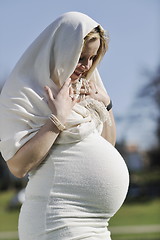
[86, 59]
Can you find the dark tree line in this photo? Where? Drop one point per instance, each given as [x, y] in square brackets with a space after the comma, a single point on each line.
[147, 105]
[152, 91]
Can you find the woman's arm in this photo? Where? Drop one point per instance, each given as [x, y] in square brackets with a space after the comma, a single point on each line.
[109, 132]
[36, 149]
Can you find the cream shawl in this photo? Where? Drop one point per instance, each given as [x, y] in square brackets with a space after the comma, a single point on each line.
[23, 104]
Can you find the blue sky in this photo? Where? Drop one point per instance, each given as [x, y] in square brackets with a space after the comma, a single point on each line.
[134, 32]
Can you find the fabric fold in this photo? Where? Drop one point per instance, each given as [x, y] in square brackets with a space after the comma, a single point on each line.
[23, 103]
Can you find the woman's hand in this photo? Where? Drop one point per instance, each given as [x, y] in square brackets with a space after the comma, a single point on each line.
[61, 104]
[96, 93]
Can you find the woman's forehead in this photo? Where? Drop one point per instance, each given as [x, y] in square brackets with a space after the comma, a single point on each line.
[91, 47]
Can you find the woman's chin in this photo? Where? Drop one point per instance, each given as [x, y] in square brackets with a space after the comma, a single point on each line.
[75, 77]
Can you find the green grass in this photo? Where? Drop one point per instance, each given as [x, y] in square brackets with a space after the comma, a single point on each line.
[147, 236]
[146, 213]
[8, 219]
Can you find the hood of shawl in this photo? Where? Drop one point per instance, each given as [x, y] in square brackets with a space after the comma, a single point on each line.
[67, 44]
[22, 100]
[55, 51]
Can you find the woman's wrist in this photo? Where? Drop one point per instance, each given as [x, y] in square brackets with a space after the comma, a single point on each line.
[57, 122]
[60, 115]
[106, 101]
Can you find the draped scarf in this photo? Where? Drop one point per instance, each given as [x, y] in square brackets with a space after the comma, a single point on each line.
[23, 105]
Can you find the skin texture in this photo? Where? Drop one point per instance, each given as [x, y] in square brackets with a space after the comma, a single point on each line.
[36, 149]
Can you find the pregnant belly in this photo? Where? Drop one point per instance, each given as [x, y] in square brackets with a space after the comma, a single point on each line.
[89, 175]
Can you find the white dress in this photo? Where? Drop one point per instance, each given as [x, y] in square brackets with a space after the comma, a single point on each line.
[74, 192]
[84, 180]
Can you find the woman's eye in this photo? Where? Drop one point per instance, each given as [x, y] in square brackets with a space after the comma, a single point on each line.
[81, 59]
[93, 57]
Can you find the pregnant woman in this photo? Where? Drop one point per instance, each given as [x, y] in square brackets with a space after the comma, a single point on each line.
[57, 126]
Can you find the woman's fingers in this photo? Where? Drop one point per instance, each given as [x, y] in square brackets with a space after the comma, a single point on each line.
[67, 88]
[93, 87]
[49, 93]
[83, 91]
[71, 93]
[73, 97]
[63, 102]
[67, 84]
[89, 90]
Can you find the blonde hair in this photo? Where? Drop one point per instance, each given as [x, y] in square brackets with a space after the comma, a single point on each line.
[97, 33]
